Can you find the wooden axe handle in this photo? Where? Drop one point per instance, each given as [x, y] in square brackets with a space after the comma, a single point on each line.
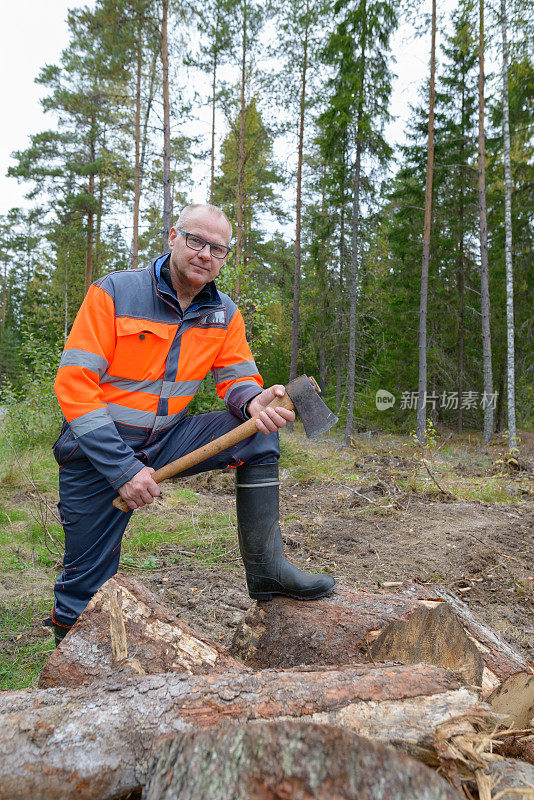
[234, 436]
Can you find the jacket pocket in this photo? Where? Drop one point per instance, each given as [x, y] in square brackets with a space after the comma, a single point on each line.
[141, 349]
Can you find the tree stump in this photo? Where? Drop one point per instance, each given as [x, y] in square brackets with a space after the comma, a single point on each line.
[288, 761]
[97, 741]
[342, 628]
[156, 641]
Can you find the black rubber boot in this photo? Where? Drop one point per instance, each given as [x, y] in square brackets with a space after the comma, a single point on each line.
[260, 540]
[59, 631]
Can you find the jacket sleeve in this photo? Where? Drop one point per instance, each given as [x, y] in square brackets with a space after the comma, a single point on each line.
[88, 352]
[234, 370]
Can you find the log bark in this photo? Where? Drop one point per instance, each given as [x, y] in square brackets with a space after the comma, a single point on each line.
[519, 747]
[511, 779]
[288, 761]
[156, 641]
[342, 628]
[98, 740]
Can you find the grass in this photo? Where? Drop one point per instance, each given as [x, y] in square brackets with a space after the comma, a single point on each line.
[156, 538]
[24, 647]
[461, 467]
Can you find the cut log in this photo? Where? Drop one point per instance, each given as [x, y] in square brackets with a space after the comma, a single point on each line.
[289, 761]
[513, 706]
[156, 640]
[514, 700]
[431, 636]
[96, 741]
[341, 629]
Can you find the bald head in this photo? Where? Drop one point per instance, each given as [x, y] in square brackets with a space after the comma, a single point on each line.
[193, 211]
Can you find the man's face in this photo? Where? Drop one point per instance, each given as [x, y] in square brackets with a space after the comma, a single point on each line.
[191, 269]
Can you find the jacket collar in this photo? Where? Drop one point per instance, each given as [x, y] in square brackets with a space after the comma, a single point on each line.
[208, 297]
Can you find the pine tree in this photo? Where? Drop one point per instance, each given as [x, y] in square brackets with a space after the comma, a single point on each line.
[253, 158]
[357, 108]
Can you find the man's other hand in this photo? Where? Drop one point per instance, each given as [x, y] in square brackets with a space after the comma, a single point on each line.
[141, 489]
[270, 419]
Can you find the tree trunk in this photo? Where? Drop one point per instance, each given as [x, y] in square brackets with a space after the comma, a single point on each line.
[4, 304]
[150, 99]
[461, 310]
[66, 300]
[155, 637]
[119, 721]
[339, 348]
[322, 365]
[266, 760]
[98, 236]
[213, 103]
[351, 364]
[500, 397]
[296, 277]
[167, 199]
[343, 627]
[483, 234]
[90, 221]
[137, 136]
[241, 157]
[421, 401]
[512, 434]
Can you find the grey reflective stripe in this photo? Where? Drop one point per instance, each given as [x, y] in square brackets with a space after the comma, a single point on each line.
[83, 358]
[159, 387]
[256, 485]
[180, 388]
[131, 416]
[151, 387]
[243, 370]
[142, 419]
[243, 385]
[89, 422]
[166, 421]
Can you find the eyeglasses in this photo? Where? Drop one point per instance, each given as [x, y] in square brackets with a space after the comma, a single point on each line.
[198, 243]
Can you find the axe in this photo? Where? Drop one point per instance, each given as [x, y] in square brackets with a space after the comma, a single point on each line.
[302, 395]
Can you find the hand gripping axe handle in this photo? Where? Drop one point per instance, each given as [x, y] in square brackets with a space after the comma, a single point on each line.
[302, 395]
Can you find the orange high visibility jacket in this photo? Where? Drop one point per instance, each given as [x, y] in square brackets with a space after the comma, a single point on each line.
[133, 361]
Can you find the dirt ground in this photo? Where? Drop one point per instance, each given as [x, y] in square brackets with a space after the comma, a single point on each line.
[482, 552]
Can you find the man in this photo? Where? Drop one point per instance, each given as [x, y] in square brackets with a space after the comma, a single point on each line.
[139, 349]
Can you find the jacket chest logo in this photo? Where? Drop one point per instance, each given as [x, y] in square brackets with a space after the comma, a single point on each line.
[215, 319]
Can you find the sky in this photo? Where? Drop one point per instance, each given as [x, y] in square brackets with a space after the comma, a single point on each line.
[34, 32]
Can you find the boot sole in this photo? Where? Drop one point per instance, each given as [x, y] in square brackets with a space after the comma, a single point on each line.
[265, 597]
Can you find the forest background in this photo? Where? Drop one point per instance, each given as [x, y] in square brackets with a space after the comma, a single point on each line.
[326, 264]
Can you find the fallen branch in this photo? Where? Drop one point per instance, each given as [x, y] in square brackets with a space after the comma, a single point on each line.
[363, 496]
[446, 492]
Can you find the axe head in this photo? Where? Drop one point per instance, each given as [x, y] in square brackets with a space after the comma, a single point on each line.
[314, 413]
